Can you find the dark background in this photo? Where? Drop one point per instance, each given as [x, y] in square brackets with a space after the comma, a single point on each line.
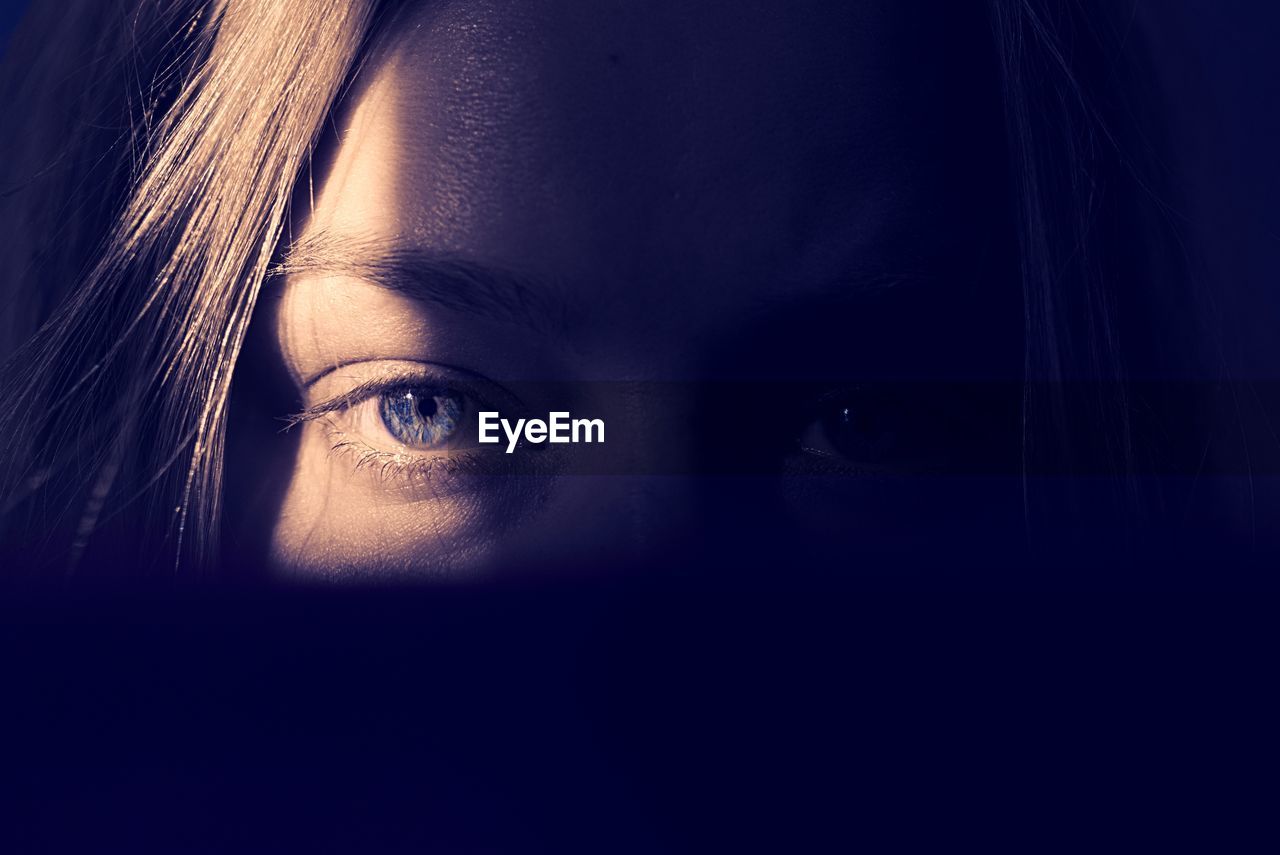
[1222, 78]
[638, 718]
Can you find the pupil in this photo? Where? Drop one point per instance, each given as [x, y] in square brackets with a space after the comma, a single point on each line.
[863, 423]
[426, 404]
[859, 433]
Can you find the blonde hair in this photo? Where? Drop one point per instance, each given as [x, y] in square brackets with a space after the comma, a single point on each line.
[124, 389]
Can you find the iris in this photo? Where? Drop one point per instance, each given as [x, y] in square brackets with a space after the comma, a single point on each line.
[422, 418]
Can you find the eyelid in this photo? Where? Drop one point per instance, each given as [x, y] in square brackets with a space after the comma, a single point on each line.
[396, 374]
[344, 401]
[444, 367]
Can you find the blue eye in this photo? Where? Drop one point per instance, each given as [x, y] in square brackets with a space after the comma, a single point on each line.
[422, 418]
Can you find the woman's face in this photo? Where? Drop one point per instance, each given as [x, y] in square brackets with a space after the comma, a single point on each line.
[739, 234]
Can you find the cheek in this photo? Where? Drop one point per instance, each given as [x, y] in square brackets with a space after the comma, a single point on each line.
[340, 521]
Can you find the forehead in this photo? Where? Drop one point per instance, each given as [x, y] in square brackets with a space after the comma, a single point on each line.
[738, 145]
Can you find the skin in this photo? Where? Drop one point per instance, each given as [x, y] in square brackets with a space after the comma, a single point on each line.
[796, 190]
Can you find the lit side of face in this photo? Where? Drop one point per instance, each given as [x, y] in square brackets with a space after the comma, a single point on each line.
[662, 194]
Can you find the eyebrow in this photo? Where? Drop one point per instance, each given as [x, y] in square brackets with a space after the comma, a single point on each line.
[469, 286]
[450, 282]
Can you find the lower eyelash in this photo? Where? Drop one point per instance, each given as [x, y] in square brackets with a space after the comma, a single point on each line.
[390, 466]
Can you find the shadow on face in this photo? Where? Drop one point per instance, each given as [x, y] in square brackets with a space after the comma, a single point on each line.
[767, 246]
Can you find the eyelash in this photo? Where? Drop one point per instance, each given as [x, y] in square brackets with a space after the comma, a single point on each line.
[390, 467]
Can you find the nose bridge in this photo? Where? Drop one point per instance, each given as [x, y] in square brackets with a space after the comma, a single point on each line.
[655, 418]
[649, 486]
